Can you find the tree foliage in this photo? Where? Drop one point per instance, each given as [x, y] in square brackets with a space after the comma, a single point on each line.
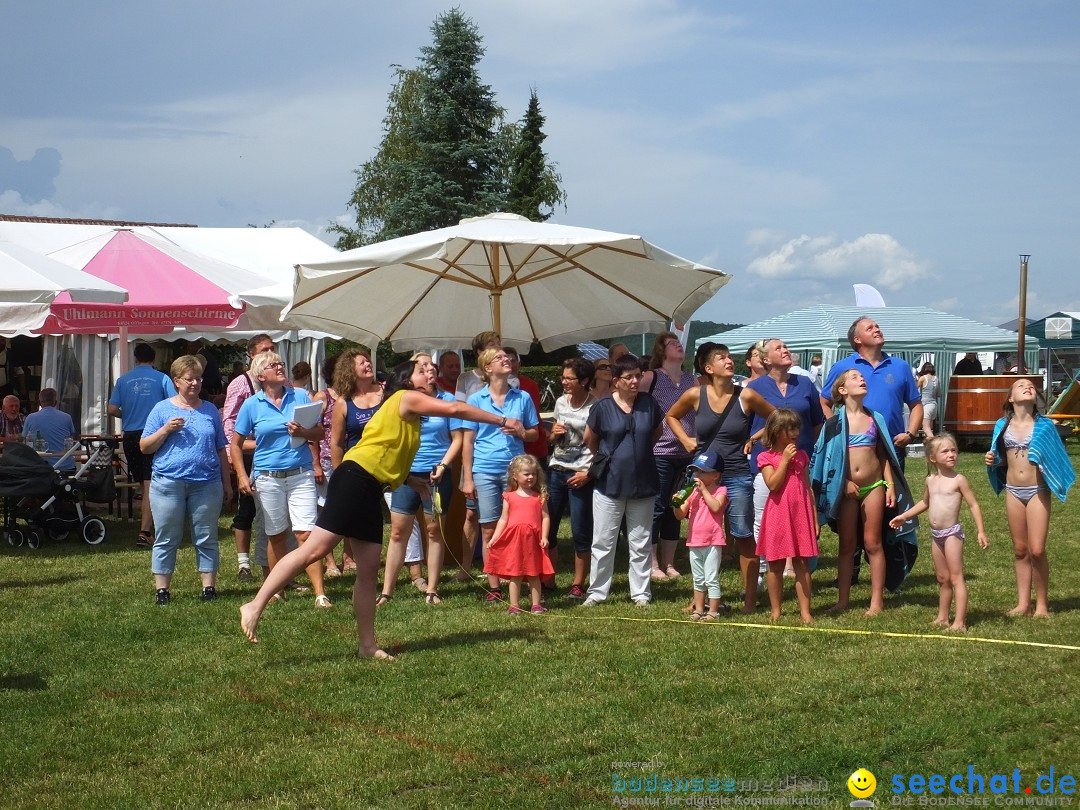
[447, 153]
[534, 186]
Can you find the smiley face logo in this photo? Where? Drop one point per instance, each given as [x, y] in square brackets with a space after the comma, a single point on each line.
[861, 783]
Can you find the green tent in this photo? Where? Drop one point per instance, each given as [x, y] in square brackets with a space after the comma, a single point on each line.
[910, 333]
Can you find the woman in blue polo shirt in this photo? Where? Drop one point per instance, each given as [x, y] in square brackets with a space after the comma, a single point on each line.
[487, 450]
[282, 479]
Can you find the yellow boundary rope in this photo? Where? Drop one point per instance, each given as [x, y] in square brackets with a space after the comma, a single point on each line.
[438, 513]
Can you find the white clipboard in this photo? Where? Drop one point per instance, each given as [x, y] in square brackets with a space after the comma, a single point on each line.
[307, 416]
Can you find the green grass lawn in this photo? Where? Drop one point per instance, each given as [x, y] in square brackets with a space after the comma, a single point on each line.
[109, 701]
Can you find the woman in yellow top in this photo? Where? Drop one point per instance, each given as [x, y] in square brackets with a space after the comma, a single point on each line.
[354, 502]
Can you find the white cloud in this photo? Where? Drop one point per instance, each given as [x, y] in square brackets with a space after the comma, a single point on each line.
[11, 202]
[873, 258]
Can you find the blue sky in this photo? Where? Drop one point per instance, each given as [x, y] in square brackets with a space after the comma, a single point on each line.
[802, 146]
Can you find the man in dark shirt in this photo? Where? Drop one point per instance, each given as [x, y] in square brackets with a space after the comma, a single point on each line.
[969, 364]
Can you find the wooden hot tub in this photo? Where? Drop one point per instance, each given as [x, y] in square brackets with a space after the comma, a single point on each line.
[974, 401]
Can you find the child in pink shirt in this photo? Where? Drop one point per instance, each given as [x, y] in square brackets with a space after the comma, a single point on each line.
[705, 532]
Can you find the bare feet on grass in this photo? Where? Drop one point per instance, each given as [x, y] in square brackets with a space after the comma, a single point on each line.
[939, 622]
[249, 622]
[1020, 610]
[957, 628]
[871, 612]
[376, 653]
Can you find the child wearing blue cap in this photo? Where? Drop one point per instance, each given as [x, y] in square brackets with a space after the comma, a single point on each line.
[705, 532]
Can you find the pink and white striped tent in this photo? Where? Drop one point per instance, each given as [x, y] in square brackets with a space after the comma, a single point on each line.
[164, 284]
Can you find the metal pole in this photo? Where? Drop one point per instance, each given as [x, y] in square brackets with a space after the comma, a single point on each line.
[1020, 366]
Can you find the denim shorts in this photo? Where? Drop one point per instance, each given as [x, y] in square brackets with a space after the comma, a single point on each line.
[740, 510]
[405, 500]
[489, 490]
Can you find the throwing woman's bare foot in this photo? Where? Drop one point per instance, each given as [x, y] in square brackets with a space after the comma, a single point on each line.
[939, 622]
[249, 621]
[872, 612]
[377, 653]
[1020, 610]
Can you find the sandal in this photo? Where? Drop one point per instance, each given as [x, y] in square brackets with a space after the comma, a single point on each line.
[697, 615]
[382, 599]
[322, 601]
[146, 540]
[493, 596]
[432, 598]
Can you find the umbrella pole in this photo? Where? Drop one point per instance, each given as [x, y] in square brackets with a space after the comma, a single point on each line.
[496, 291]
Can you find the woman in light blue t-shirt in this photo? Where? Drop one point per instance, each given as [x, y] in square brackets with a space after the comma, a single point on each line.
[190, 477]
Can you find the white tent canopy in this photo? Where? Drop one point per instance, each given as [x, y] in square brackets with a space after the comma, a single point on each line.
[910, 333]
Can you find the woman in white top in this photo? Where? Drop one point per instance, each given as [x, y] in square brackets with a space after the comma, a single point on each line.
[568, 470]
[928, 391]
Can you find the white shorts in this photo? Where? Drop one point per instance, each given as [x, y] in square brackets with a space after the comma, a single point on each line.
[287, 501]
[327, 469]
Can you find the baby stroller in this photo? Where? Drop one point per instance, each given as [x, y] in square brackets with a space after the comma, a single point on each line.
[47, 500]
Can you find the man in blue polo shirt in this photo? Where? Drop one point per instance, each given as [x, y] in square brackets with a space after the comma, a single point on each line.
[890, 384]
[53, 425]
[133, 397]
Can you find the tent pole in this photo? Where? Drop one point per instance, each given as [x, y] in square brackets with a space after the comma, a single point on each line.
[1020, 365]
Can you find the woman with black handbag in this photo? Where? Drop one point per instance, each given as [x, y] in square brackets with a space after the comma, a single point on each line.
[621, 431]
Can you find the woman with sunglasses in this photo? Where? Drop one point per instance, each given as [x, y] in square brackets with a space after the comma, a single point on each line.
[382, 459]
[282, 477]
[624, 427]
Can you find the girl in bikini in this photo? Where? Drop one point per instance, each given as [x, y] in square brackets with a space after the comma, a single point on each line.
[945, 489]
[867, 492]
[1028, 460]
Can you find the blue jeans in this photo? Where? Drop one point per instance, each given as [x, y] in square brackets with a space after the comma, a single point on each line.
[580, 502]
[171, 500]
[740, 510]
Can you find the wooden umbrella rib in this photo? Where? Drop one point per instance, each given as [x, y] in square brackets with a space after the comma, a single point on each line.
[475, 281]
[427, 291]
[332, 287]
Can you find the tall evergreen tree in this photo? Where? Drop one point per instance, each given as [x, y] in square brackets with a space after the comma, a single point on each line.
[535, 185]
[446, 152]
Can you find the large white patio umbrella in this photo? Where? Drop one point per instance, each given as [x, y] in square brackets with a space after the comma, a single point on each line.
[32, 281]
[529, 281]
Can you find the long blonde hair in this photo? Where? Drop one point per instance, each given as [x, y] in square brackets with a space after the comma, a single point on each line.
[517, 464]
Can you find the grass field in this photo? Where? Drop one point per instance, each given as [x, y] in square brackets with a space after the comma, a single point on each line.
[108, 701]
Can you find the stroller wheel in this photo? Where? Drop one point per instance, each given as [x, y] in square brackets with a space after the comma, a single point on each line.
[33, 539]
[57, 531]
[15, 537]
[93, 531]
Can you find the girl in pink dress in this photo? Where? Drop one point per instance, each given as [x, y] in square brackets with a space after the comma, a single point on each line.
[517, 548]
[789, 524]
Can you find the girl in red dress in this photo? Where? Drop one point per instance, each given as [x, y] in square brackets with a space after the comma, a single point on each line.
[789, 523]
[517, 548]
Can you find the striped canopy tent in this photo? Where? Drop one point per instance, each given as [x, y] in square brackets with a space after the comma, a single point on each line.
[910, 333]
